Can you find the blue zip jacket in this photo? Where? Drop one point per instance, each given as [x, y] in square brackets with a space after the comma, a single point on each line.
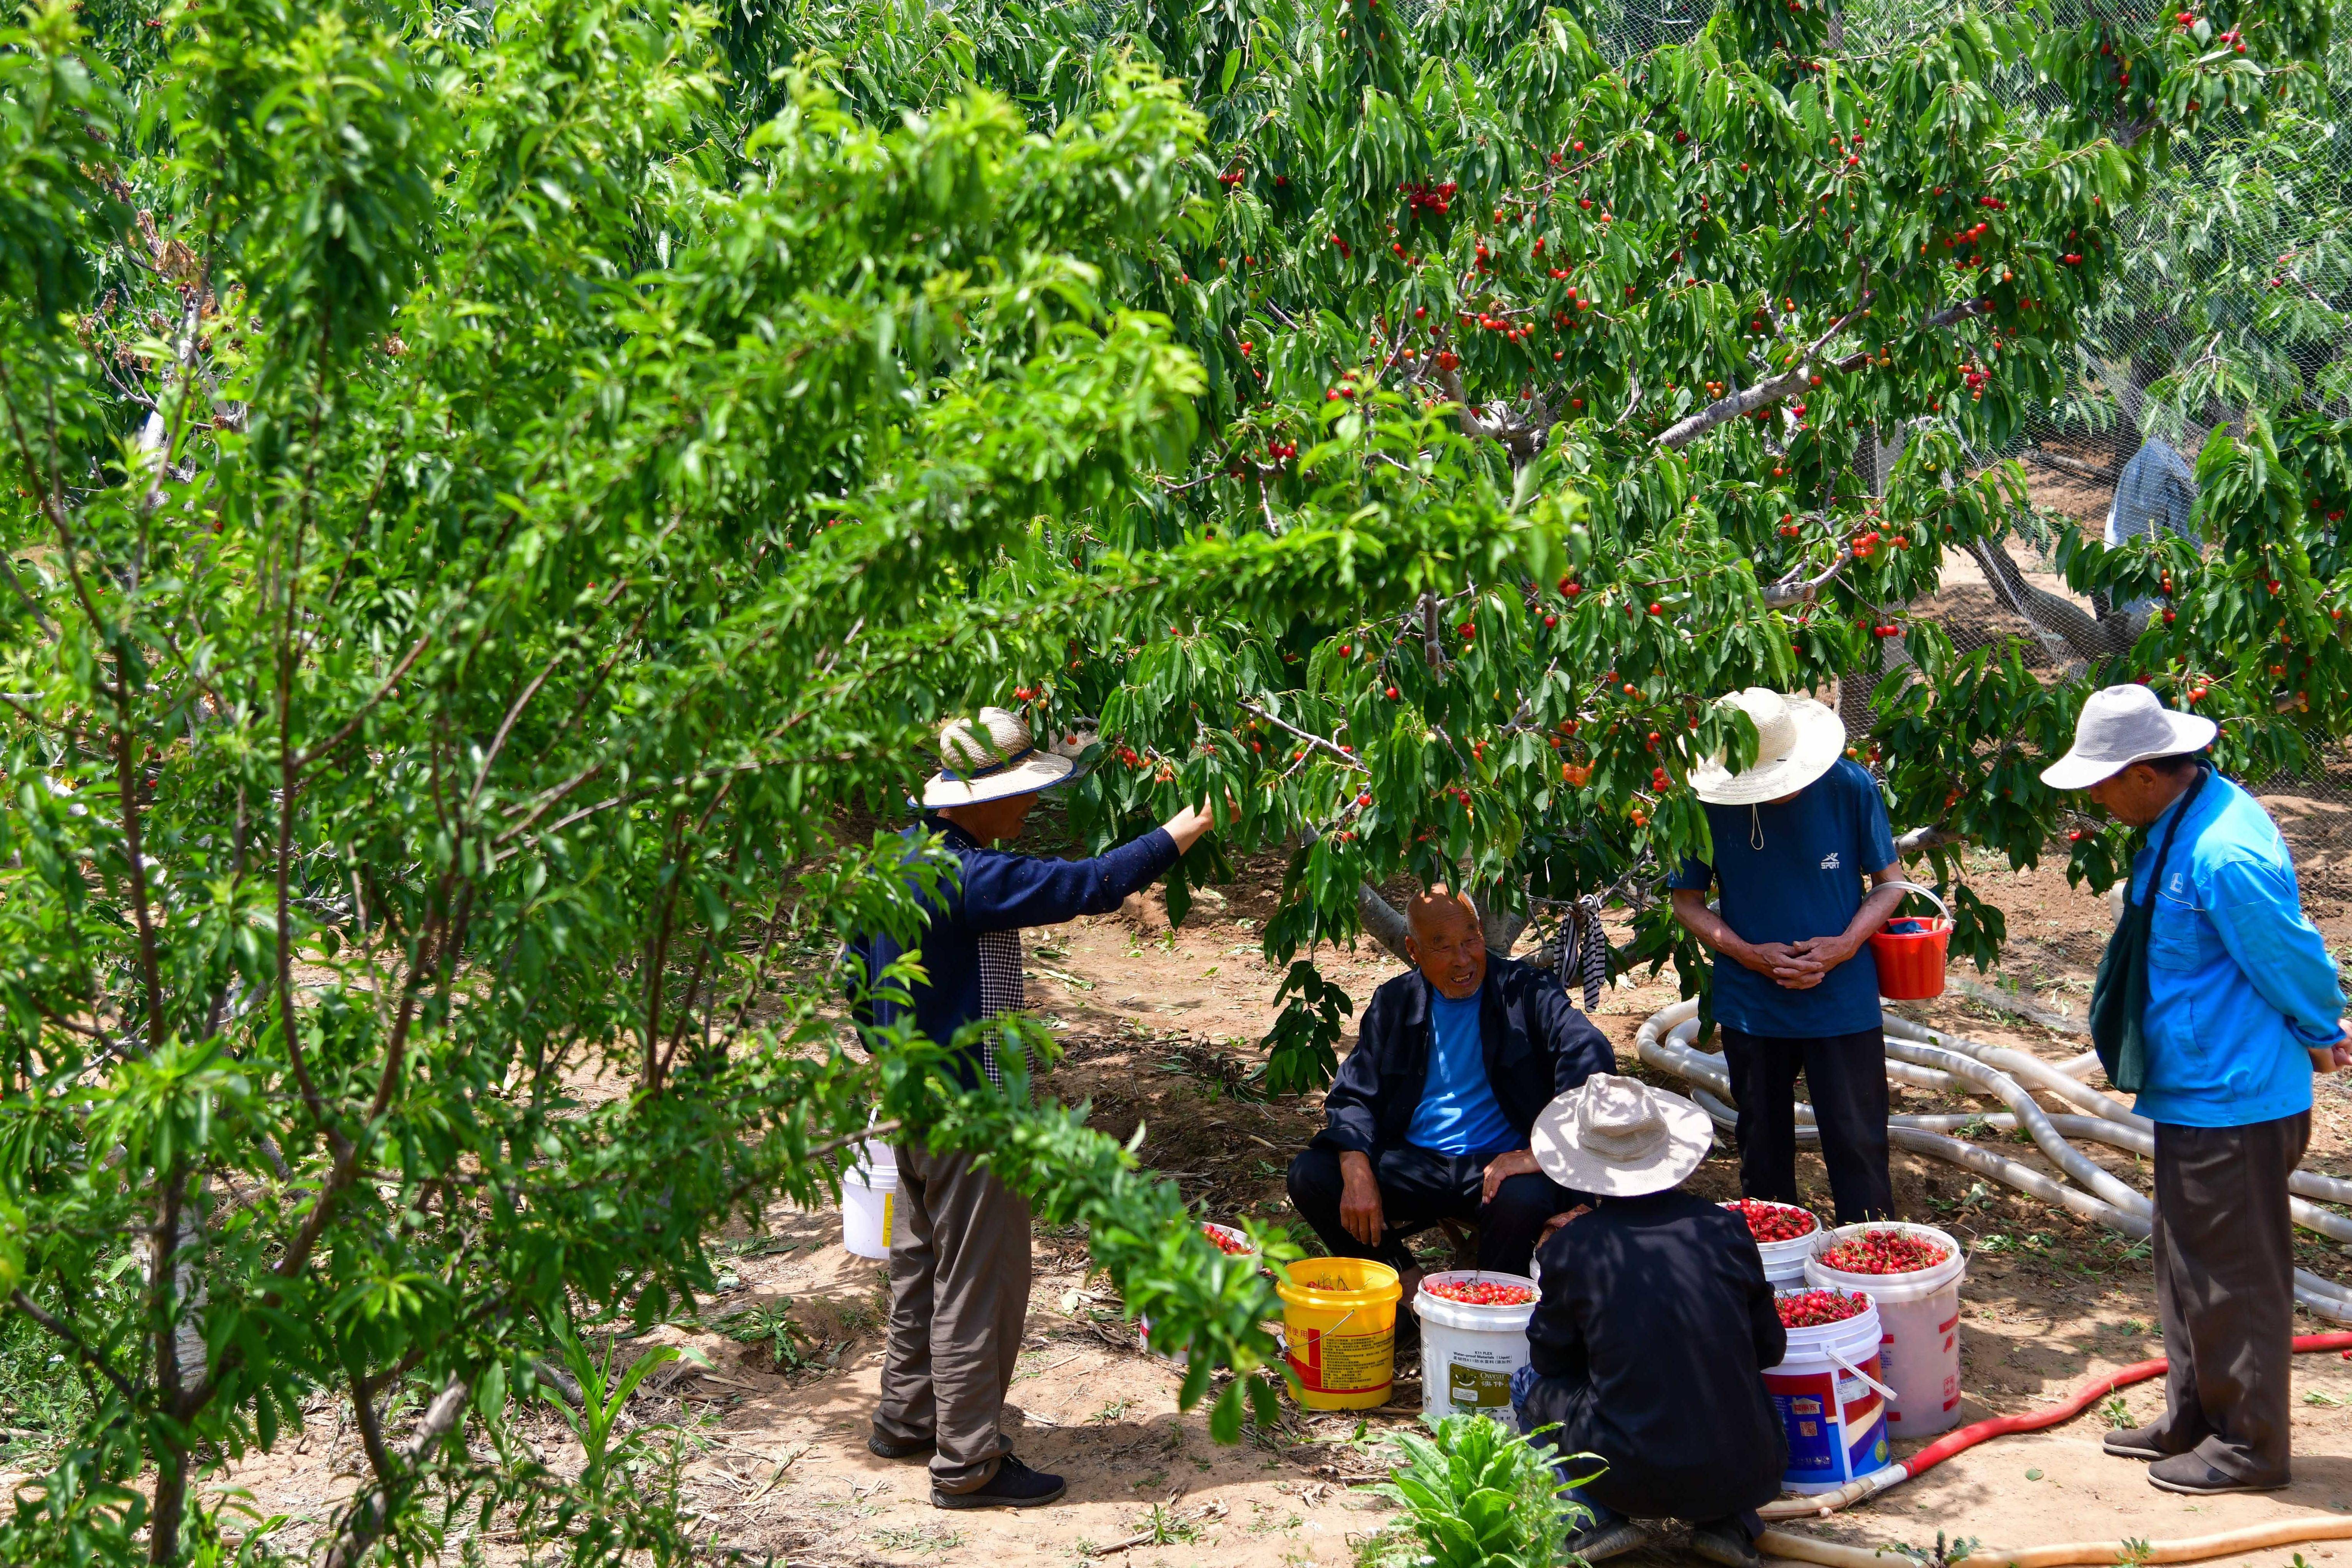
[2239, 983]
[997, 891]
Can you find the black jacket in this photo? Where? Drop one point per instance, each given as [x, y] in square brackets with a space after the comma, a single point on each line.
[1535, 1044]
[1649, 1347]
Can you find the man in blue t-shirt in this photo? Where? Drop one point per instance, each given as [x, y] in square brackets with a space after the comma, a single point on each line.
[1429, 1117]
[1795, 985]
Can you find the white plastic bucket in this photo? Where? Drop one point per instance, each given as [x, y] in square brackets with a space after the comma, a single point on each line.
[1919, 1319]
[869, 1204]
[1832, 1402]
[1469, 1352]
[1784, 1261]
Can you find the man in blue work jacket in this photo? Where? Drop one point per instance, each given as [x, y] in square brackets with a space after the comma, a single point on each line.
[2243, 1006]
[959, 1265]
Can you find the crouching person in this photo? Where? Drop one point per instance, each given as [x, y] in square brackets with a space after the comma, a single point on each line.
[1649, 1345]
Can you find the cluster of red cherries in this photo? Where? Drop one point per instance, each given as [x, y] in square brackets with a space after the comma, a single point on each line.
[1811, 1309]
[1774, 1222]
[1480, 1293]
[1884, 1252]
[1231, 1246]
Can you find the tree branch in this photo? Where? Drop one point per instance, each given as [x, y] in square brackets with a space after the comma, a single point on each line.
[64, 1331]
[371, 1513]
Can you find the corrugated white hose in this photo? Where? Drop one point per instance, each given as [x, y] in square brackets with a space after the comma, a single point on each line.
[2019, 1065]
[2322, 1297]
[2124, 1130]
[2052, 1076]
[2086, 1172]
[2016, 1173]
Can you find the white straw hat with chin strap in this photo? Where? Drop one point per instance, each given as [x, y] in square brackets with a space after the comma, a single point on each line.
[990, 759]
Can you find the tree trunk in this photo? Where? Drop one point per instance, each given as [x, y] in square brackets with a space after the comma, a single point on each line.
[2065, 627]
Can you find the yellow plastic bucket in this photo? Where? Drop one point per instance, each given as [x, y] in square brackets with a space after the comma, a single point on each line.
[1338, 1319]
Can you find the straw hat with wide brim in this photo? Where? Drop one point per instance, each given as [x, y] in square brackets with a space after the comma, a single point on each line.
[1797, 740]
[1618, 1138]
[990, 759]
[2120, 726]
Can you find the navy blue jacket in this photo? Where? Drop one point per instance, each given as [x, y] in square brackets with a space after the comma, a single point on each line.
[1649, 1348]
[1535, 1045]
[997, 891]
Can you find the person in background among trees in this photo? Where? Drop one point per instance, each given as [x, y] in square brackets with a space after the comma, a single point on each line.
[1429, 1116]
[1796, 988]
[1647, 1349]
[2238, 1003]
[2156, 495]
[959, 1263]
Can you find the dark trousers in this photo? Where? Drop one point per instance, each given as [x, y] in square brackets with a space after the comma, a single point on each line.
[1845, 1076]
[1419, 1188]
[2224, 1252]
[959, 1297]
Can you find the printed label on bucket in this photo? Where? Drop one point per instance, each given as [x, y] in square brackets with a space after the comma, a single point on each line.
[1478, 1387]
[889, 1218]
[1833, 1435]
[1347, 1364]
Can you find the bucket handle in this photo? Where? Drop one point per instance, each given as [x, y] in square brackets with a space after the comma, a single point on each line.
[1849, 1366]
[1928, 893]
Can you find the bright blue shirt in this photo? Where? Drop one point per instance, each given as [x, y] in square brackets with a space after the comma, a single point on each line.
[2239, 983]
[1788, 872]
[1457, 1114]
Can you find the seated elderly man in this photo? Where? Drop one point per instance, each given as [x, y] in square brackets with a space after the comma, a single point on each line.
[1429, 1117]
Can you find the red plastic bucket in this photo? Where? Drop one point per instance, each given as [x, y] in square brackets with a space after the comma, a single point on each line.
[1911, 963]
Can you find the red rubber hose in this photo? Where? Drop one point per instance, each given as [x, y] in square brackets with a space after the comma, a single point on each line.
[1969, 1437]
[2074, 1404]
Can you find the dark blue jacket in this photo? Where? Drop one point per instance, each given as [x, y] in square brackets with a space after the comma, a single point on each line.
[997, 891]
[1535, 1045]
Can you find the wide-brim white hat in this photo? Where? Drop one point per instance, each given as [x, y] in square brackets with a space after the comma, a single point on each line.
[1618, 1138]
[990, 759]
[1797, 740]
[2120, 726]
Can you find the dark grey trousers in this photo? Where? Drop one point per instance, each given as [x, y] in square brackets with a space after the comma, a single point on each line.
[959, 1297]
[1845, 1078]
[2224, 1249]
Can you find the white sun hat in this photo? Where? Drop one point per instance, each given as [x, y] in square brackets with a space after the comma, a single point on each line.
[1797, 740]
[2120, 726]
[990, 759]
[1618, 1138]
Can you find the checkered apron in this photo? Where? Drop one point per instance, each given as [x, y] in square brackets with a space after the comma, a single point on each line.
[1002, 990]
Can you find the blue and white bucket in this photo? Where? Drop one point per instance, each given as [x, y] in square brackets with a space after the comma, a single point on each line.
[1832, 1402]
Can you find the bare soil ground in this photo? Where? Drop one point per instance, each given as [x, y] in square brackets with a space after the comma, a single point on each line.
[1160, 1032]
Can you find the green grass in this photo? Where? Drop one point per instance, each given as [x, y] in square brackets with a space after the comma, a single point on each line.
[40, 1392]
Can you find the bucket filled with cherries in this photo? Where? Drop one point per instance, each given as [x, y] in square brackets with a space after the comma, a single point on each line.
[1226, 1240]
[1784, 1235]
[1913, 1273]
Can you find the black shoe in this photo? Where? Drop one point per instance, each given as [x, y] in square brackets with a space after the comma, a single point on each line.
[1408, 1337]
[2190, 1476]
[2137, 1443]
[1603, 1541]
[1015, 1485]
[883, 1447]
[1724, 1543]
